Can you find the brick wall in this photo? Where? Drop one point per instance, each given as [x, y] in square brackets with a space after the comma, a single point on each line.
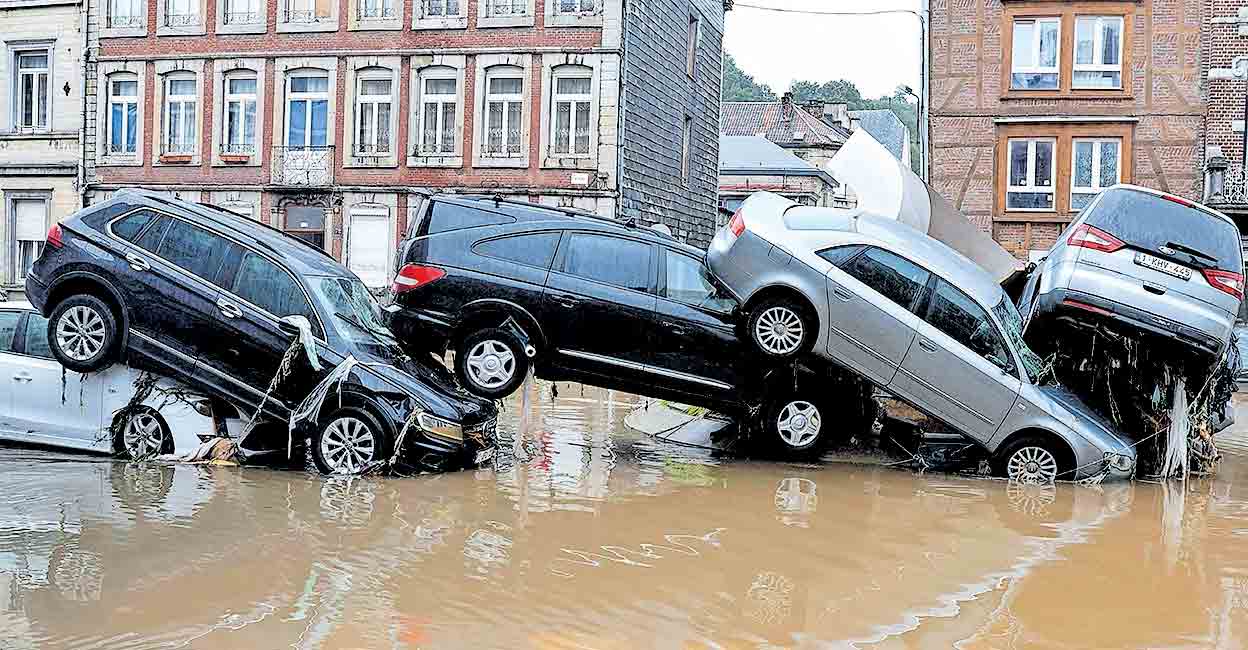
[1225, 38]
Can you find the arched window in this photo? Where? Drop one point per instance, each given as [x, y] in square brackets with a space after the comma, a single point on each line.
[123, 113]
[504, 111]
[180, 122]
[374, 101]
[570, 104]
[240, 112]
[439, 110]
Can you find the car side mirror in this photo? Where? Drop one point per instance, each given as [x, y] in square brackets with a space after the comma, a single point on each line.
[294, 325]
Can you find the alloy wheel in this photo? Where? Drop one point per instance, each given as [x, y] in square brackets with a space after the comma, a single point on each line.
[799, 424]
[348, 445]
[143, 436]
[779, 330]
[1032, 466]
[491, 364]
[80, 333]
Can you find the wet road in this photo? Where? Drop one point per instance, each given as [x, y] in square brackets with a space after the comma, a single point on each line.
[589, 536]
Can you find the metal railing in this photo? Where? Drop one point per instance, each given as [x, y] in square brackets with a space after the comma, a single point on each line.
[301, 16]
[307, 166]
[118, 22]
[379, 11]
[238, 148]
[1235, 186]
[181, 20]
[243, 17]
[440, 8]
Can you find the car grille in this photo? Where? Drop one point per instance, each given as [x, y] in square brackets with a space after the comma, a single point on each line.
[482, 433]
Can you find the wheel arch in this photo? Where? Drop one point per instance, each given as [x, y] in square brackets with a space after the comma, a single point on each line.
[493, 312]
[1060, 444]
[80, 282]
[786, 291]
[117, 428]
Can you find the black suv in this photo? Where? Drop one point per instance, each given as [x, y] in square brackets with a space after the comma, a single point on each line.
[215, 300]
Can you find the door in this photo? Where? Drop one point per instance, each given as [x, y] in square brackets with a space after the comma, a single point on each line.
[695, 347]
[599, 303]
[870, 301]
[59, 407]
[369, 245]
[960, 368]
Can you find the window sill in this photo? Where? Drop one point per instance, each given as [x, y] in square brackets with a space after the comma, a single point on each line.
[175, 159]
[120, 160]
[486, 161]
[248, 28]
[1015, 94]
[574, 20]
[236, 160]
[570, 162]
[506, 21]
[1035, 216]
[123, 32]
[181, 30]
[375, 24]
[358, 161]
[459, 22]
[435, 161]
[326, 25]
[39, 135]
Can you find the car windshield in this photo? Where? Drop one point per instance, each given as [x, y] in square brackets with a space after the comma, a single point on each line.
[1033, 365]
[352, 305]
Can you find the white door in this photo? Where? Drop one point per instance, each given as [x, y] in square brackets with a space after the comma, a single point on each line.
[368, 246]
[50, 404]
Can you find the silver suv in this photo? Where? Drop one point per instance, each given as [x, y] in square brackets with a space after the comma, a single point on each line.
[916, 318]
[1146, 260]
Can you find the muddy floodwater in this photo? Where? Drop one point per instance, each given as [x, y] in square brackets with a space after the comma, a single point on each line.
[587, 535]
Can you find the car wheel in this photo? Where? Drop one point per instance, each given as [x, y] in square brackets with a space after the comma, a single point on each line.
[348, 442]
[82, 333]
[780, 328]
[1031, 460]
[491, 363]
[144, 434]
[795, 427]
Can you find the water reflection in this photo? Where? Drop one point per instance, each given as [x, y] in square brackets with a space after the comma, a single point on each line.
[589, 536]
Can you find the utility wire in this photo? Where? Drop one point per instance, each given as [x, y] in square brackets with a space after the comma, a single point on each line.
[810, 12]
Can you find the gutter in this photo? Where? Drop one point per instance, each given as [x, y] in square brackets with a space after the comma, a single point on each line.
[85, 28]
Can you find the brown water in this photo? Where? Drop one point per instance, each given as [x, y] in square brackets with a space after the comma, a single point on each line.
[593, 537]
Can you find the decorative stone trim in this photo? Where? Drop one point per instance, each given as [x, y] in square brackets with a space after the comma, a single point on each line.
[221, 68]
[163, 69]
[484, 63]
[106, 73]
[370, 64]
[419, 64]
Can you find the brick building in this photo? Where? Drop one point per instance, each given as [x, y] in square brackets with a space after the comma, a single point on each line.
[40, 126]
[322, 116]
[1224, 40]
[1037, 104]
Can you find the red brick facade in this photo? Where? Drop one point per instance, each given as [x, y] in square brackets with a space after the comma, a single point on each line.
[1225, 41]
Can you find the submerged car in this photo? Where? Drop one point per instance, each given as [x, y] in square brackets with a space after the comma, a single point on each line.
[1145, 262]
[211, 299]
[53, 408]
[916, 318]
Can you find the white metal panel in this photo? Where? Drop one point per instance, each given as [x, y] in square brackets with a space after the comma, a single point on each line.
[368, 245]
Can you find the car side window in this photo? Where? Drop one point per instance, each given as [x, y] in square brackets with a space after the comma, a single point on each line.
[839, 255]
[37, 336]
[129, 226]
[609, 260]
[955, 314]
[8, 329]
[689, 282]
[193, 248]
[269, 287]
[897, 278]
[534, 249]
[450, 216]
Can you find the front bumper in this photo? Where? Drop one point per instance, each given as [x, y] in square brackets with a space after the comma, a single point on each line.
[427, 452]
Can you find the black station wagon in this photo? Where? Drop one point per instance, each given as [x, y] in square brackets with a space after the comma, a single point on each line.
[214, 300]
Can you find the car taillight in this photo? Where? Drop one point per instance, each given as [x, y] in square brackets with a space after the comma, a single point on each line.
[412, 276]
[1086, 236]
[1232, 283]
[54, 236]
[737, 224]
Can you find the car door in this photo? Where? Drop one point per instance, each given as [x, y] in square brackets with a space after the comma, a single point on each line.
[12, 367]
[598, 305]
[246, 344]
[47, 401]
[170, 296]
[695, 347]
[871, 297]
[960, 368]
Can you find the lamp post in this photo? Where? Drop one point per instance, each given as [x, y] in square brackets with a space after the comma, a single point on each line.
[918, 124]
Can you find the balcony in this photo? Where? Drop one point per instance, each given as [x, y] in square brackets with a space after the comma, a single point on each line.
[307, 166]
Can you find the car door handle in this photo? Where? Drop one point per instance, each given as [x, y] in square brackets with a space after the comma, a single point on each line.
[22, 376]
[567, 302]
[1154, 288]
[842, 294]
[927, 345]
[228, 309]
[675, 329]
[138, 263]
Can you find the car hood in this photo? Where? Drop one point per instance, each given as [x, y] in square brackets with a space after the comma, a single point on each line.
[427, 380]
[1066, 399]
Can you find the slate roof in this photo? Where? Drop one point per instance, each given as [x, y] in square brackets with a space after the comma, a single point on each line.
[885, 127]
[788, 128]
[756, 155]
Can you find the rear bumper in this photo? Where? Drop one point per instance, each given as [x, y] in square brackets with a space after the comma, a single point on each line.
[36, 292]
[1055, 303]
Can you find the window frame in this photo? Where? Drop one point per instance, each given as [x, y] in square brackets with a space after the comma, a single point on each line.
[574, 100]
[1031, 187]
[1098, 50]
[291, 16]
[229, 97]
[370, 211]
[422, 19]
[114, 24]
[1064, 133]
[296, 232]
[1098, 184]
[693, 43]
[440, 101]
[441, 67]
[230, 20]
[488, 16]
[1036, 47]
[506, 100]
[310, 97]
[19, 82]
[1068, 13]
[12, 198]
[166, 111]
[372, 104]
[125, 101]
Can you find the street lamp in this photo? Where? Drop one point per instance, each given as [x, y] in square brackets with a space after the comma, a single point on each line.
[918, 101]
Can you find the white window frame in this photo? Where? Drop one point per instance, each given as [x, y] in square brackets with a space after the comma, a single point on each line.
[376, 10]
[488, 14]
[242, 16]
[301, 16]
[372, 104]
[583, 13]
[310, 96]
[242, 99]
[24, 76]
[574, 101]
[1031, 187]
[423, 19]
[1036, 40]
[1098, 183]
[440, 101]
[14, 245]
[135, 17]
[1098, 53]
[505, 99]
[437, 67]
[187, 17]
[125, 101]
[166, 110]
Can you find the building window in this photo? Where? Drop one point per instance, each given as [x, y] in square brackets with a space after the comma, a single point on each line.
[1034, 62]
[1030, 174]
[570, 108]
[376, 9]
[308, 11]
[240, 114]
[32, 90]
[30, 226]
[123, 115]
[504, 110]
[686, 141]
[694, 35]
[440, 8]
[243, 12]
[126, 13]
[506, 8]
[439, 108]
[574, 7]
[1098, 52]
[372, 116]
[307, 223]
[180, 121]
[181, 13]
[1096, 165]
[307, 111]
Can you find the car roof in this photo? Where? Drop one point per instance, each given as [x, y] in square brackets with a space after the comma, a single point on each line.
[299, 256]
[17, 304]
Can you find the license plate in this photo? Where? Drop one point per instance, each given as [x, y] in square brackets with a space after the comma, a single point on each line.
[1165, 266]
[484, 456]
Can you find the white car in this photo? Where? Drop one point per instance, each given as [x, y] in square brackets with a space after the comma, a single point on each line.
[43, 403]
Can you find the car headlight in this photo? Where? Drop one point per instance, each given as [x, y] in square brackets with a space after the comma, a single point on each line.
[442, 428]
[1119, 462]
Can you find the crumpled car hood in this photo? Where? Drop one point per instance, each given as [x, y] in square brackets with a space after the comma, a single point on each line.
[1071, 402]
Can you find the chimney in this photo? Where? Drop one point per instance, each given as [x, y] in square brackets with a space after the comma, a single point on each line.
[814, 107]
[836, 113]
[853, 124]
[786, 106]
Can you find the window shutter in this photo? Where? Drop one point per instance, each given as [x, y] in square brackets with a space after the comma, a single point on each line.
[368, 251]
[30, 219]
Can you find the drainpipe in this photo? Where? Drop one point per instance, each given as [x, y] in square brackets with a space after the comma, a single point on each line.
[621, 110]
[925, 90]
[84, 29]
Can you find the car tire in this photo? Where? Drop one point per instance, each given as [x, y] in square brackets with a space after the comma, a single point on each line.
[1032, 460]
[83, 334]
[142, 433]
[780, 328]
[349, 441]
[491, 363]
[795, 427]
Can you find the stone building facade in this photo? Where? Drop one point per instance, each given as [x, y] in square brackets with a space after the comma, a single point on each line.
[41, 86]
[323, 117]
[1225, 72]
[1037, 104]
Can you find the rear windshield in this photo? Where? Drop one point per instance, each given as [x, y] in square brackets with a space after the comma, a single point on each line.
[1148, 222]
[451, 216]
